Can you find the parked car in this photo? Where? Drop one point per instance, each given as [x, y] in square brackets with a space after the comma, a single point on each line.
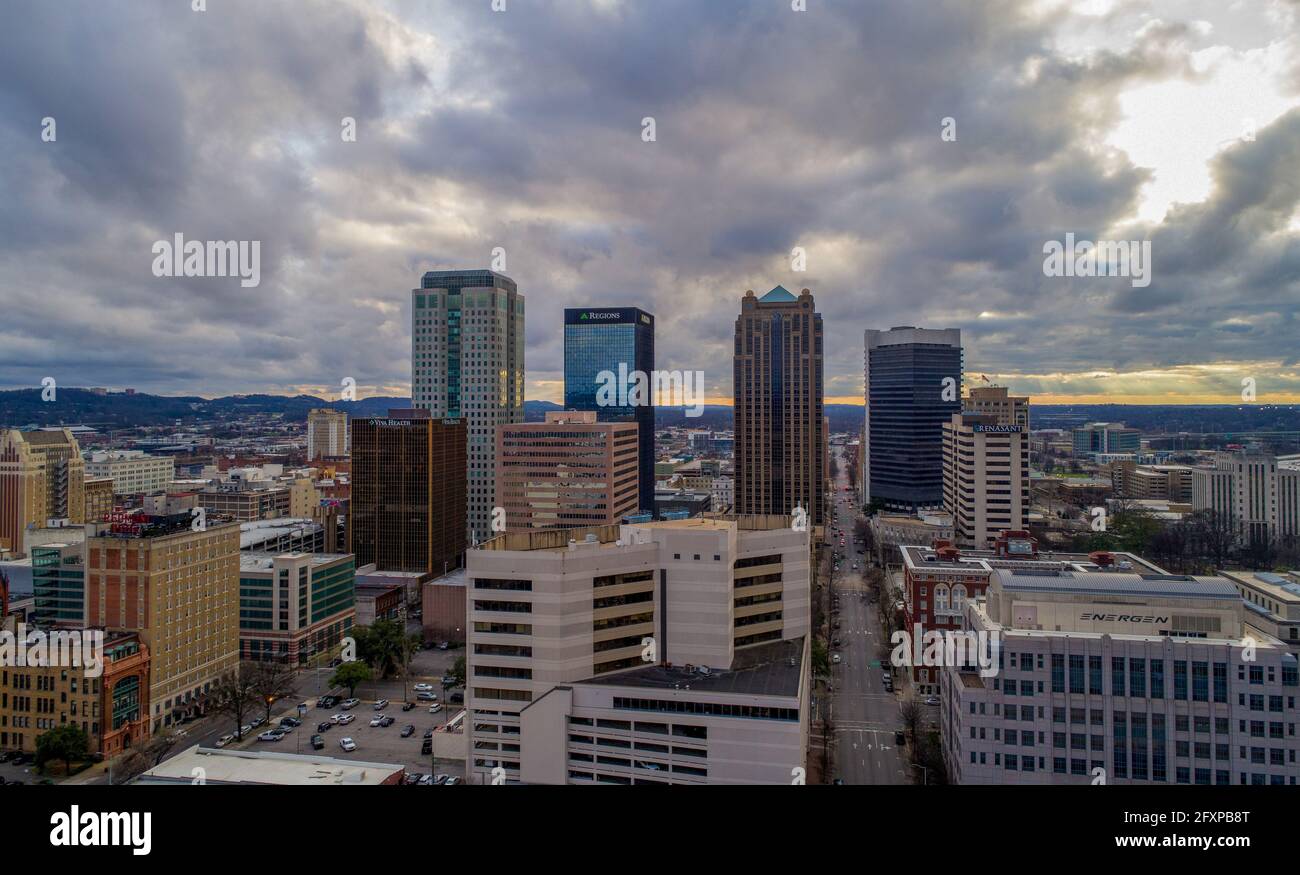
[347, 744]
[449, 681]
[318, 742]
[381, 704]
[327, 701]
[408, 730]
[427, 697]
[387, 721]
[345, 719]
[427, 747]
[444, 645]
[835, 658]
[221, 742]
[408, 706]
[428, 733]
[244, 730]
[377, 719]
[256, 722]
[290, 721]
[932, 700]
[272, 735]
[423, 688]
[900, 737]
[435, 708]
[452, 781]
[349, 704]
[457, 698]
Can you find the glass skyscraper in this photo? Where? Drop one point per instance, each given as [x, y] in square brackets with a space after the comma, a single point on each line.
[908, 402]
[467, 362]
[597, 340]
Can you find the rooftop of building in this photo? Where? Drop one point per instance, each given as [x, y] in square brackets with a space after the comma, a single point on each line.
[770, 669]
[1100, 582]
[265, 561]
[1283, 586]
[917, 557]
[266, 767]
[614, 536]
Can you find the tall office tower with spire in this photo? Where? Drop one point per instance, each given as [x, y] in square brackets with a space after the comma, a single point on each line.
[467, 362]
[779, 415]
[913, 388]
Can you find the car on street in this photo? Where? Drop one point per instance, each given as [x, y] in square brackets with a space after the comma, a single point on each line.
[435, 708]
[931, 700]
[271, 735]
[427, 697]
[225, 740]
[318, 742]
[900, 737]
[349, 704]
[835, 658]
[408, 706]
[449, 681]
[408, 730]
[324, 727]
[423, 688]
[347, 744]
[245, 729]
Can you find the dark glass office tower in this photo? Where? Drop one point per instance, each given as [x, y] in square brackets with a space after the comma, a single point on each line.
[598, 340]
[906, 410]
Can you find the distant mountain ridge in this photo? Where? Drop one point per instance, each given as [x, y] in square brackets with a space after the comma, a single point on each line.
[20, 408]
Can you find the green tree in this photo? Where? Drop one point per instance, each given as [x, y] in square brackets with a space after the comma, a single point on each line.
[66, 742]
[458, 671]
[350, 675]
[386, 646]
[821, 660]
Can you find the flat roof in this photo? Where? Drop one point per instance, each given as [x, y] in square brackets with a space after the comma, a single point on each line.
[1117, 583]
[266, 767]
[761, 670]
[988, 560]
[1283, 586]
[264, 561]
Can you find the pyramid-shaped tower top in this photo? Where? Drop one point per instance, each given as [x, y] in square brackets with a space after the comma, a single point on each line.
[778, 295]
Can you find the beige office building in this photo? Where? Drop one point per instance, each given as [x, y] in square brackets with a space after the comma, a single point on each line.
[672, 652]
[327, 434]
[178, 588]
[997, 401]
[132, 471]
[42, 478]
[566, 472]
[99, 498]
[985, 477]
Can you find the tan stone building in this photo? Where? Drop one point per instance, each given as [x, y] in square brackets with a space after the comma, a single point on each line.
[99, 498]
[567, 471]
[178, 588]
[327, 434]
[42, 478]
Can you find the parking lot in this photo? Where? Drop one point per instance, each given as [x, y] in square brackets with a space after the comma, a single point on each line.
[376, 743]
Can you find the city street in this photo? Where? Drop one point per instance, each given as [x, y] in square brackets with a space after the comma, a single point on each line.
[864, 715]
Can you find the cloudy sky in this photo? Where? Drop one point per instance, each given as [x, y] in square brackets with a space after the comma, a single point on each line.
[1173, 121]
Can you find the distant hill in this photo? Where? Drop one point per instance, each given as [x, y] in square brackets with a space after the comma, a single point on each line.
[24, 407]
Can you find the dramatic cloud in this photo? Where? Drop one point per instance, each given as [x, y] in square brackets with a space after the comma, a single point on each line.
[1173, 122]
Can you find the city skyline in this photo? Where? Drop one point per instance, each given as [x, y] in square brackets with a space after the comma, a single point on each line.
[926, 200]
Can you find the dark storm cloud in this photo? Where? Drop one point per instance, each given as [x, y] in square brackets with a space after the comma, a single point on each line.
[523, 130]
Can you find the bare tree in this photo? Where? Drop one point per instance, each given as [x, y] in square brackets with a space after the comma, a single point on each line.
[270, 681]
[234, 695]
